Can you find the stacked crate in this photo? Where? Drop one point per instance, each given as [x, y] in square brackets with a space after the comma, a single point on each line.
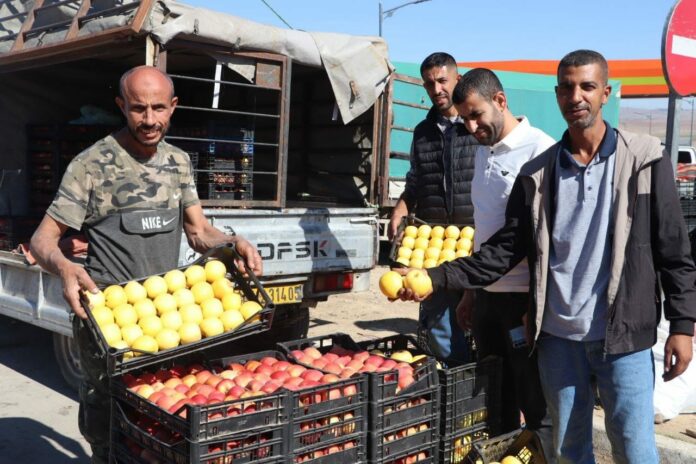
[248, 429]
[51, 147]
[15, 230]
[225, 159]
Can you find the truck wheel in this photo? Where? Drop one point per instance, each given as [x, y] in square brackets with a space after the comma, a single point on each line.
[68, 358]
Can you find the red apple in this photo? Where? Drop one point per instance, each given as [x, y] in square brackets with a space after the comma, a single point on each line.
[162, 375]
[255, 385]
[216, 396]
[295, 370]
[155, 397]
[368, 368]
[189, 379]
[312, 374]
[205, 390]
[329, 378]
[202, 376]
[194, 368]
[198, 399]
[166, 402]
[281, 366]
[350, 390]
[146, 378]
[268, 360]
[361, 356]
[182, 388]
[172, 382]
[235, 391]
[243, 379]
[346, 373]
[330, 357]
[229, 374]
[354, 364]
[312, 352]
[252, 365]
[235, 367]
[344, 360]
[375, 360]
[224, 386]
[333, 368]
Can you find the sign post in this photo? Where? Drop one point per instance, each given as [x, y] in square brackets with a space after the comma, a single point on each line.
[679, 65]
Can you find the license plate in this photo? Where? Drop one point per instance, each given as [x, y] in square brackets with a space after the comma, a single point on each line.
[285, 294]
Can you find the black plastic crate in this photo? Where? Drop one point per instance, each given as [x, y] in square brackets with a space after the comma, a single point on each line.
[388, 448]
[202, 422]
[471, 395]
[455, 448]
[385, 385]
[326, 439]
[427, 455]
[523, 444]
[238, 163]
[119, 363]
[225, 185]
[136, 441]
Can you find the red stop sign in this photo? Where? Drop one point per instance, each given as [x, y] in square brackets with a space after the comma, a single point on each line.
[679, 48]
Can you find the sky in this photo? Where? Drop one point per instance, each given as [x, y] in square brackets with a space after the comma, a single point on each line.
[478, 30]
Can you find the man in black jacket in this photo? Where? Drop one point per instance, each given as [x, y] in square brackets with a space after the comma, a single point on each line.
[438, 191]
[598, 218]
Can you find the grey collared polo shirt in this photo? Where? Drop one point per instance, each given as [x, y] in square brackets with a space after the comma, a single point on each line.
[580, 254]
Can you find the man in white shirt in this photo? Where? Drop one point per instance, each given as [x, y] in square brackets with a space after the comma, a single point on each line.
[506, 144]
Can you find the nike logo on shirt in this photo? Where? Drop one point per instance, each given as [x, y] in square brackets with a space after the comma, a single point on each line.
[155, 222]
[177, 195]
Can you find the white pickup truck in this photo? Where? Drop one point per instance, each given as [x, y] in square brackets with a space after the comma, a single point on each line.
[285, 130]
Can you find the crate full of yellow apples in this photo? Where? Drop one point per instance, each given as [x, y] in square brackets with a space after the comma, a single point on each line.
[421, 245]
[146, 321]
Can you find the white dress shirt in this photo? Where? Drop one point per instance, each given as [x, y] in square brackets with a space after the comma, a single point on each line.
[495, 171]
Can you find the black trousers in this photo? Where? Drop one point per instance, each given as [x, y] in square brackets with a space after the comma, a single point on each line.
[95, 407]
[498, 330]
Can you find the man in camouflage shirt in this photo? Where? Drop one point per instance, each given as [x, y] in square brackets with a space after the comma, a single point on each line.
[132, 194]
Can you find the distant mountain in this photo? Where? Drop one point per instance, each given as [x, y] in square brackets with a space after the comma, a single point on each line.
[654, 122]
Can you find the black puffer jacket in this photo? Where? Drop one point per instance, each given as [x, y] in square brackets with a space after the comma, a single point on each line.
[433, 170]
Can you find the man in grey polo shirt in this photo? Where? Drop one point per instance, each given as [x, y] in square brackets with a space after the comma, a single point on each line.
[598, 218]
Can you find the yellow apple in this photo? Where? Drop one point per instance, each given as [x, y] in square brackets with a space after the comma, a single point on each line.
[150, 325]
[145, 343]
[437, 232]
[212, 307]
[111, 333]
[189, 332]
[250, 310]
[231, 319]
[130, 333]
[402, 355]
[222, 287]
[418, 254]
[214, 270]
[424, 231]
[435, 242]
[432, 253]
[467, 232]
[171, 320]
[102, 315]
[416, 263]
[95, 299]
[194, 274]
[421, 243]
[404, 252]
[165, 303]
[167, 338]
[411, 231]
[155, 286]
[510, 460]
[461, 253]
[202, 291]
[145, 308]
[452, 232]
[125, 315]
[428, 263]
[390, 284]
[231, 301]
[447, 255]
[211, 326]
[408, 242]
[464, 244]
[114, 295]
[419, 282]
[134, 292]
[404, 261]
[183, 297]
[175, 279]
[449, 244]
[191, 313]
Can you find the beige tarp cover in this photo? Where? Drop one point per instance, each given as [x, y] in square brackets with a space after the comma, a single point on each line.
[357, 66]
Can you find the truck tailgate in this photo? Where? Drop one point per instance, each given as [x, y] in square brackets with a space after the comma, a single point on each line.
[302, 241]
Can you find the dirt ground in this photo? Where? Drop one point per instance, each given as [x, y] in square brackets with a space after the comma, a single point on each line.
[370, 315]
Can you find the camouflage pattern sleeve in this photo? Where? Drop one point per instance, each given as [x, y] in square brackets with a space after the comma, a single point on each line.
[70, 205]
[189, 194]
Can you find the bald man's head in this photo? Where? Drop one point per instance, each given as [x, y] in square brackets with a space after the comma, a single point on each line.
[144, 72]
[147, 101]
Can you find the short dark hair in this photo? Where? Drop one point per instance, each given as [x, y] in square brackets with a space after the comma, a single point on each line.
[437, 60]
[479, 80]
[583, 58]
